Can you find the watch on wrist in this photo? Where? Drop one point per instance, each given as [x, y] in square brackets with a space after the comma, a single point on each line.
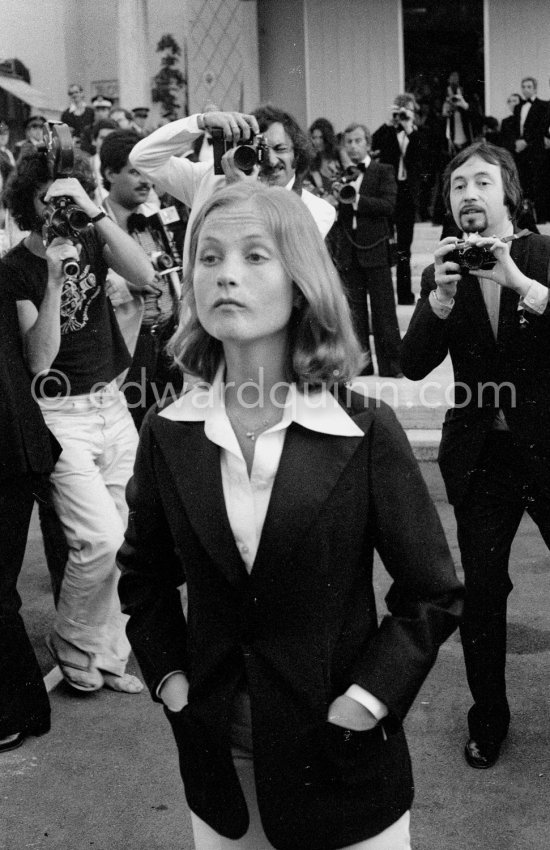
[101, 214]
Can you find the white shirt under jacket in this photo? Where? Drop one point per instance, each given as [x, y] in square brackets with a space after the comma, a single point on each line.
[247, 498]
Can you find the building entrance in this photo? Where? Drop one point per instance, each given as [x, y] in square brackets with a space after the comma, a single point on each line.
[442, 36]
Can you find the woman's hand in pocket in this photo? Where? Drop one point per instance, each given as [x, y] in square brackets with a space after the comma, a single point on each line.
[350, 714]
[174, 692]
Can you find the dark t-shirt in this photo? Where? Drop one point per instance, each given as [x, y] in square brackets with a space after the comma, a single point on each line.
[92, 350]
[27, 445]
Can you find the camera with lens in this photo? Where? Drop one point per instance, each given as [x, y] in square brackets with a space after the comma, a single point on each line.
[161, 261]
[401, 114]
[62, 217]
[156, 235]
[343, 188]
[472, 257]
[255, 152]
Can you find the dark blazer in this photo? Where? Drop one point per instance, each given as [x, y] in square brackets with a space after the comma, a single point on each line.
[508, 130]
[302, 626]
[385, 141]
[518, 362]
[377, 195]
[535, 124]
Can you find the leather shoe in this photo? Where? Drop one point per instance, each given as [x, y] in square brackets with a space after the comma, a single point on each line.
[12, 742]
[481, 755]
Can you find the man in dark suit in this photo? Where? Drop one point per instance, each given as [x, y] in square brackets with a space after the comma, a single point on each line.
[363, 252]
[508, 124]
[28, 457]
[495, 447]
[530, 124]
[399, 144]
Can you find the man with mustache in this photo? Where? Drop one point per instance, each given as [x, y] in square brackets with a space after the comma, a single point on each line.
[494, 456]
[162, 157]
[146, 315]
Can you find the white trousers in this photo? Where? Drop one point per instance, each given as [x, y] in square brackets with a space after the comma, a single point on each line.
[395, 837]
[99, 442]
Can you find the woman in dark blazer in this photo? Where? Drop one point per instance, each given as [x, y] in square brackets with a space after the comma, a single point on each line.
[262, 493]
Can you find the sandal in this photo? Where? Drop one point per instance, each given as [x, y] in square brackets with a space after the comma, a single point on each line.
[92, 680]
[124, 684]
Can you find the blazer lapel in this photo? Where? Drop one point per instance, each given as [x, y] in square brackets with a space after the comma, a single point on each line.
[310, 467]
[508, 319]
[194, 463]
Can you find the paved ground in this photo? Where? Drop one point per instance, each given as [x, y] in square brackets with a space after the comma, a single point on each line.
[106, 776]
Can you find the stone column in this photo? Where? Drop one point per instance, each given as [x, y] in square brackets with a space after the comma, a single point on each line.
[134, 77]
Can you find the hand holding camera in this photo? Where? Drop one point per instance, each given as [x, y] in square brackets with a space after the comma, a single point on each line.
[62, 256]
[404, 118]
[235, 126]
[480, 256]
[76, 215]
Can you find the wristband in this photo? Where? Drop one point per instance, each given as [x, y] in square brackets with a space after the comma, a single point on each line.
[101, 214]
[200, 121]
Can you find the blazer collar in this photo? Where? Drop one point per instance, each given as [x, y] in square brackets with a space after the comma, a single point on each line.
[316, 410]
[318, 446]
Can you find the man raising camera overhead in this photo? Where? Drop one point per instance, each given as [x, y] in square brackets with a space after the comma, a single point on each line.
[74, 350]
[493, 319]
[161, 156]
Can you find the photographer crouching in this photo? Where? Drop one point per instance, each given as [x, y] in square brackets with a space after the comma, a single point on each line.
[75, 351]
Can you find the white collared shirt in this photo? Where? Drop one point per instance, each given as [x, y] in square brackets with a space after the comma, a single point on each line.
[247, 497]
[524, 112]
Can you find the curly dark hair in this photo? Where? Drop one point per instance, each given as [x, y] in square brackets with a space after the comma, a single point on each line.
[329, 139]
[115, 151]
[267, 115]
[31, 172]
[495, 156]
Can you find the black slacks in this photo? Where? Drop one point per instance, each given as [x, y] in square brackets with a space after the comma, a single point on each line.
[507, 482]
[24, 703]
[376, 284]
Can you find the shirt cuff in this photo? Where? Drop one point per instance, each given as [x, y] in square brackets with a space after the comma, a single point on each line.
[162, 681]
[442, 311]
[368, 701]
[536, 300]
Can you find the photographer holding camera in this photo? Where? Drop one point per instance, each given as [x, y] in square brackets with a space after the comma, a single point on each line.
[398, 144]
[362, 235]
[75, 351]
[147, 316]
[493, 319]
[161, 156]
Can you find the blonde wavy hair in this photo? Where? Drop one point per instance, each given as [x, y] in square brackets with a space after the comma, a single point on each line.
[323, 348]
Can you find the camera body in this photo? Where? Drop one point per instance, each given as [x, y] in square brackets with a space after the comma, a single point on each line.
[471, 257]
[63, 217]
[401, 114]
[246, 156]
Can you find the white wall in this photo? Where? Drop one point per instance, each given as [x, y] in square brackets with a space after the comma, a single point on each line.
[282, 56]
[519, 46]
[353, 49]
[33, 32]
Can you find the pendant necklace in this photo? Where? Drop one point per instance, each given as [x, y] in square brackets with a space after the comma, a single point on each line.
[252, 433]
